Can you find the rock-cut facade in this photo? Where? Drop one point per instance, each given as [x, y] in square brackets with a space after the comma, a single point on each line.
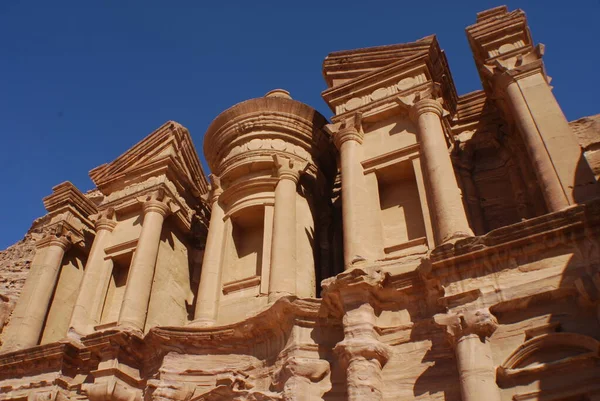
[419, 245]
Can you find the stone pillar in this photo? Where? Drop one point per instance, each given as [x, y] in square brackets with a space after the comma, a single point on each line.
[27, 322]
[282, 280]
[94, 285]
[209, 288]
[141, 272]
[550, 184]
[361, 352]
[449, 218]
[363, 355]
[348, 141]
[470, 333]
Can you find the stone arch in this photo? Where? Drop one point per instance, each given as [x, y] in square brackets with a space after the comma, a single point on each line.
[547, 353]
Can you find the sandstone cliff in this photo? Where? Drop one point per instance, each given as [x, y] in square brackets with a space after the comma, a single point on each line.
[15, 262]
[587, 130]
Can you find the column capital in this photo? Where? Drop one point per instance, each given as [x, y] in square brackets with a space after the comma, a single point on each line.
[215, 188]
[347, 134]
[61, 241]
[105, 220]
[480, 322]
[425, 106]
[289, 169]
[349, 129]
[158, 202]
[363, 347]
[352, 288]
[311, 369]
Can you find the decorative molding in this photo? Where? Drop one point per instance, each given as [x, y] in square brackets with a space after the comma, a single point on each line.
[480, 322]
[241, 284]
[120, 249]
[403, 84]
[388, 159]
[258, 144]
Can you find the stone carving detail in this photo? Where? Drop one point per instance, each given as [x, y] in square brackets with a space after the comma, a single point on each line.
[257, 144]
[480, 322]
[236, 386]
[381, 93]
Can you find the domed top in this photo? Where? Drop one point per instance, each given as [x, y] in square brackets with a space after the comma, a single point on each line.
[279, 93]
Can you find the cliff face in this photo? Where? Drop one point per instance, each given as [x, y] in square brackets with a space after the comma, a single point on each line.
[587, 130]
[15, 262]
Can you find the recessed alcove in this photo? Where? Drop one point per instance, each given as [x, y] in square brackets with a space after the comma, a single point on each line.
[244, 249]
[400, 205]
[116, 288]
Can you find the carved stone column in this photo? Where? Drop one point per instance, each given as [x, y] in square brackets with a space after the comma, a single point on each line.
[544, 169]
[88, 306]
[449, 218]
[212, 264]
[282, 279]
[348, 141]
[298, 378]
[361, 352]
[30, 312]
[141, 272]
[470, 333]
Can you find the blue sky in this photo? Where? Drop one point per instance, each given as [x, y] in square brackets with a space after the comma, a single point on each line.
[82, 81]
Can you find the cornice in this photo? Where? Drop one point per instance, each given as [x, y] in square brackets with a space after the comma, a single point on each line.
[67, 194]
[397, 71]
[349, 64]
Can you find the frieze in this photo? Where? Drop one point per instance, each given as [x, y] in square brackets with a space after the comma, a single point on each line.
[258, 144]
[381, 93]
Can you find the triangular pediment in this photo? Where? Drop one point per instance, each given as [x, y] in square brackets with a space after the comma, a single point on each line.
[343, 66]
[369, 80]
[169, 147]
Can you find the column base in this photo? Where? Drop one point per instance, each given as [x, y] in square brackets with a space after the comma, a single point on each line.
[130, 327]
[452, 238]
[274, 296]
[202, 322]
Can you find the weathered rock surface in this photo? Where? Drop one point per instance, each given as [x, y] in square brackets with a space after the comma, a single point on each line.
[15, 262]
[587, 130]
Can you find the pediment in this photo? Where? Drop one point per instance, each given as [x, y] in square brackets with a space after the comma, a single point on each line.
[372, 78]
[343, 66]
[169, 148]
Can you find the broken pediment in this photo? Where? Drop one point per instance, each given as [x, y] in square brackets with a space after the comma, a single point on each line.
[168, 150]
[343, 66]
[369, 78]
